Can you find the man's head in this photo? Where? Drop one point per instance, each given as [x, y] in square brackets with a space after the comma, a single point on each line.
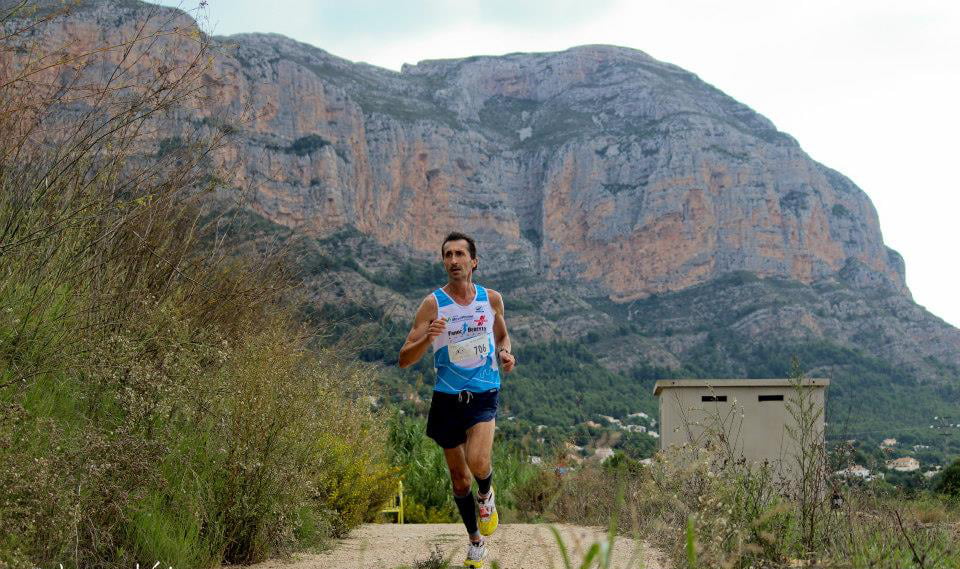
[459, 253]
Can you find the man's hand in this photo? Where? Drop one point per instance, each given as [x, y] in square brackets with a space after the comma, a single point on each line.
[507, 361]
[436, 328]
[425, 328]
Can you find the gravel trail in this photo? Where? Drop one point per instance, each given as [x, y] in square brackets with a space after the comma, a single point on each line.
[513, 546]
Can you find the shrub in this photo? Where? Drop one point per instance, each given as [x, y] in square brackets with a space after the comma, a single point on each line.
[307, 145]
[159, 403]
[699, 502]
[949, 480]
[424, 470]
[536, 498]
[427, 489]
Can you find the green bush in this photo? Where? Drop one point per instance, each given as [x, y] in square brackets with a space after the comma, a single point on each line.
[427, 487]
[159, 403]
[426, 480]
[536, 497]
[307, 145]
[948, 481]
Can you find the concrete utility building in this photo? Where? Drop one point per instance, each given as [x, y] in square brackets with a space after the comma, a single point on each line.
[752, 413]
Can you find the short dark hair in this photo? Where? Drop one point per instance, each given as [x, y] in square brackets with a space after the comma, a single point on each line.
[457, 236]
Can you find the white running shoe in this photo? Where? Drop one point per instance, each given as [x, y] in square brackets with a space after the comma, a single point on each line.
[476, 555]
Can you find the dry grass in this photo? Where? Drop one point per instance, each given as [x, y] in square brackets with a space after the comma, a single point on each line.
[707, 508]
[159, 403]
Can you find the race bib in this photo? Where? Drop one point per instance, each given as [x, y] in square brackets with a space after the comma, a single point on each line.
[470, 349]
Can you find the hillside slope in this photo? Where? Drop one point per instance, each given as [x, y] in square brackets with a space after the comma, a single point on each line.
[646, 221]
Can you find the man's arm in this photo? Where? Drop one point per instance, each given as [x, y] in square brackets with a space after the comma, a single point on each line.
[500, 335]
[425, 328]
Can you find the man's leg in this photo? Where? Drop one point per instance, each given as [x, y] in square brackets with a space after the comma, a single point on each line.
[462, 494]
[479, 450]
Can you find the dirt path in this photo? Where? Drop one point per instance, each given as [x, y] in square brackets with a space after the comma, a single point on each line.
[513, 546]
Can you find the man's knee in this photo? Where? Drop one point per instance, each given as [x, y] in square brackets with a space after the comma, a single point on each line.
[461, 482]
[479, 464]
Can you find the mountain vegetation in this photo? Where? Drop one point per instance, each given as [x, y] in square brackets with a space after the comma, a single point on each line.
[160, 398]
[568, 381]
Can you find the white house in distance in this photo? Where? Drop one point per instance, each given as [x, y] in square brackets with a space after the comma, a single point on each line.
[903, 464]
[752, 413]
[854, 471]
[933, 472]
[603, 453]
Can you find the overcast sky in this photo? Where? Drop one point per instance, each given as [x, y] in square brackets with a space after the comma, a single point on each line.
[869, 88]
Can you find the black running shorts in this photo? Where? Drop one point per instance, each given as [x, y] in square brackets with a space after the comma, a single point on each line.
[451, 415]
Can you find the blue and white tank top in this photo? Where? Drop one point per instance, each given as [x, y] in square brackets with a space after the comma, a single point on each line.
[464, 355]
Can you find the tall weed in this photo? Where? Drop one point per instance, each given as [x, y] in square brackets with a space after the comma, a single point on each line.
[708, 508]
[158, 402]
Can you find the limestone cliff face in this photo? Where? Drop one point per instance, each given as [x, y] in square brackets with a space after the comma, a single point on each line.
[599, 164]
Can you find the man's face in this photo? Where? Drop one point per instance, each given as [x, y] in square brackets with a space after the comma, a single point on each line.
[457, 261]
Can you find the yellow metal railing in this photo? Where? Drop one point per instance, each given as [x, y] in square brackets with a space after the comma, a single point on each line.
[397, 507]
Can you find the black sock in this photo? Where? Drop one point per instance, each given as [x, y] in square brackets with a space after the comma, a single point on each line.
[483, 484]
[468, 511]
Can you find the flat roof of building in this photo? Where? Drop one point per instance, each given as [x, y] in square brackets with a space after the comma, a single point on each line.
[721, 383]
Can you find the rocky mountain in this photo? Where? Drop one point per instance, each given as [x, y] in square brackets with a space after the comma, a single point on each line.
[615, 197]
[598, 164]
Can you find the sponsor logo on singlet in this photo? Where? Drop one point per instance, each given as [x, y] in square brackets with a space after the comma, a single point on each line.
[465, 329]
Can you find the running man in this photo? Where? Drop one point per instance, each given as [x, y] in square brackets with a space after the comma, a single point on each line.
[457, 320]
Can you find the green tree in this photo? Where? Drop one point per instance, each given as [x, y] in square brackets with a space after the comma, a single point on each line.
[949, 482]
